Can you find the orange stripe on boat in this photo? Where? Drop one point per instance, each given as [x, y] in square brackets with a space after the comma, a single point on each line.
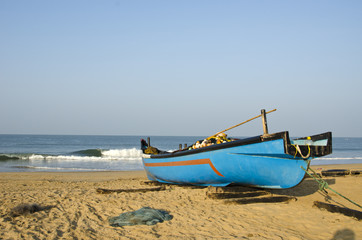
[185, 163]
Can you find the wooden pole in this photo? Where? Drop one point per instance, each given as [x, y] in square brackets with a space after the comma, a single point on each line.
[265, 124]
[237, 125]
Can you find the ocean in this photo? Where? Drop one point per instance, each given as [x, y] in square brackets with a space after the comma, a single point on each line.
[68, 153]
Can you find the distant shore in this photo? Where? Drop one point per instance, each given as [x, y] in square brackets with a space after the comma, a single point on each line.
[78, 211]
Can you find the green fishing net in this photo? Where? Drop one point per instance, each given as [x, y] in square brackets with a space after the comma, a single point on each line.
[143, 216]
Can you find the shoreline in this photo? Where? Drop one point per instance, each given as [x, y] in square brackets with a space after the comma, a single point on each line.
[91, 176]
[355, 166]
[78, 211]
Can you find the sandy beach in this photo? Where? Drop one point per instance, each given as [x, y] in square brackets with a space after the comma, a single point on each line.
[77, 211]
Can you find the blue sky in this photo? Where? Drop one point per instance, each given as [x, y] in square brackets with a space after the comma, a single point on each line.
[180, 67]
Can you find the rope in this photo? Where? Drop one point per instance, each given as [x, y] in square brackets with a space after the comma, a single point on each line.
[300, 152]
[323, 185]
[237, 125]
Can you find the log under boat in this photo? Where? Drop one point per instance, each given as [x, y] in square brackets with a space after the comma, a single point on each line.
[272, 161]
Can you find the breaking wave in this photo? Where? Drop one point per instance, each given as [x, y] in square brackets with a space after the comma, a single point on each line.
[131, 154]
[89, 152]
[57, 168]
[4, 157]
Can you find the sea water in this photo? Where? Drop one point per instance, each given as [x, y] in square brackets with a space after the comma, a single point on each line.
[20, 153]
[25, 153]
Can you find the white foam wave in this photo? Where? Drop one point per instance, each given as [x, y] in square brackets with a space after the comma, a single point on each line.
[60, 168]
[132, 153]
[34, 157]
[339, 158]
[73, 158]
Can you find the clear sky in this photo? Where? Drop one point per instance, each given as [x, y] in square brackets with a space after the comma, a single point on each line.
[190, 67]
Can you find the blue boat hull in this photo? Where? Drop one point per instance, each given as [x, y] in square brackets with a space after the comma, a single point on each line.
[253, 162]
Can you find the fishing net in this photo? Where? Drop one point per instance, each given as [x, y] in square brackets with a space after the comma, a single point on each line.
[143, 216]
[151, 150]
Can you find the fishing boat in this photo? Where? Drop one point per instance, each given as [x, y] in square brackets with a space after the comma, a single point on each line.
[271, 161]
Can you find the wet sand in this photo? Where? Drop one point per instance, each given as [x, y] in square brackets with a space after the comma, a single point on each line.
[77, 211]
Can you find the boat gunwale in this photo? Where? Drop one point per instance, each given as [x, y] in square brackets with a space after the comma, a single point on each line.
[246, 141]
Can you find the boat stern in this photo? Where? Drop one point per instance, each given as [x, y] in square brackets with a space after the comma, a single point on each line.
[310, 147]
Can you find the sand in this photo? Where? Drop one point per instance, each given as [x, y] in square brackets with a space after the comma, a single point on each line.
[77, 211]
